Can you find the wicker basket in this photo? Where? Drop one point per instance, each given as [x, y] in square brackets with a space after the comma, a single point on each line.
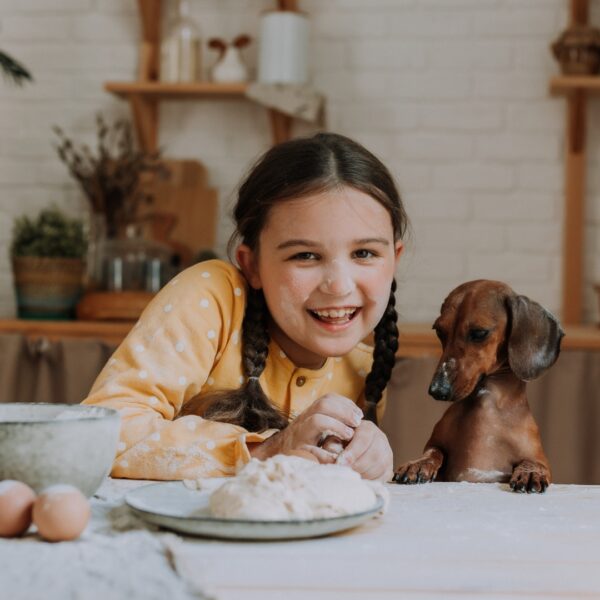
[47, 288]
[578, 50]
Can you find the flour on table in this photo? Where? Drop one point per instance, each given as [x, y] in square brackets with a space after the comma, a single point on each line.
[285, 488]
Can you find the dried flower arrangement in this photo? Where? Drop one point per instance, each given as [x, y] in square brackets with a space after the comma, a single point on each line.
[111, 179]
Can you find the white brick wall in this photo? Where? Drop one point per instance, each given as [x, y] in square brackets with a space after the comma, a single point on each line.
[451, 94]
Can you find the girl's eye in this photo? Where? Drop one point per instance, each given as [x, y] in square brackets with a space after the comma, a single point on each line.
[304, 256]
[363, 253]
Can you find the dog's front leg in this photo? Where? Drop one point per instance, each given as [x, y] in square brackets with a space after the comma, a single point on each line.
[531, 477]
[422, 470]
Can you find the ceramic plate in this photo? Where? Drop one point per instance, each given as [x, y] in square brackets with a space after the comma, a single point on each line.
[176, 507]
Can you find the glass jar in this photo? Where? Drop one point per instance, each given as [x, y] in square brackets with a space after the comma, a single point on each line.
[134, 264]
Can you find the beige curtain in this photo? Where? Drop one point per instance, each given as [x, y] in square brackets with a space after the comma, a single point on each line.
[43, 371]
[565, 401]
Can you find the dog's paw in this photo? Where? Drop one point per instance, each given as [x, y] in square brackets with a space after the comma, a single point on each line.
[416, 471]
[529, 477]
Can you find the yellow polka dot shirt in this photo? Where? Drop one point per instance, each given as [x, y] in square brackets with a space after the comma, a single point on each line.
[188, 343]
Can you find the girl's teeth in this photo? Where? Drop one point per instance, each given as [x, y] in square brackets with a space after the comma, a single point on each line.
[335, 314]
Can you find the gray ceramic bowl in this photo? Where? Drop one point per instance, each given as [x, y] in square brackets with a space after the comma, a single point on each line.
[46, 444]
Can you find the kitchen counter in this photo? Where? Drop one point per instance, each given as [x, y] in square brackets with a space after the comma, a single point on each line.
[436, 540]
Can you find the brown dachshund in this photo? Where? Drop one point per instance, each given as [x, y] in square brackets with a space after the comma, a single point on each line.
[493, 341]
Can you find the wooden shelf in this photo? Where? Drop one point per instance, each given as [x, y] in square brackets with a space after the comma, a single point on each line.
[159, 90]
[567, 84]
[416, 339]
[111, 333]
[145, 94]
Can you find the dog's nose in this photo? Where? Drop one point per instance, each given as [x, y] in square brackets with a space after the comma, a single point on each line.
[440, 388]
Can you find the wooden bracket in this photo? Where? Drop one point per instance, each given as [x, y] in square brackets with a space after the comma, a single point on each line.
[145, 118]
[150, 46]
[574, 210]
[281, 126]
[578, 12]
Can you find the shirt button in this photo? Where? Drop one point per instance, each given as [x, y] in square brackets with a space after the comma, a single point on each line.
[300, 381]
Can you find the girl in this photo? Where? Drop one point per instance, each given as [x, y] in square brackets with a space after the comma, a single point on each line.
[225, 363]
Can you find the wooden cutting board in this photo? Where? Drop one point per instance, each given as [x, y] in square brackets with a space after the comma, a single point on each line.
[184, 212]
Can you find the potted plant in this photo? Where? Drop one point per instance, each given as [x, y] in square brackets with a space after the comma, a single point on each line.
[48, 264]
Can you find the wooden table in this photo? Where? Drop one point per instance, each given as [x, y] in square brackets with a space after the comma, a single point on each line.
[436, 540]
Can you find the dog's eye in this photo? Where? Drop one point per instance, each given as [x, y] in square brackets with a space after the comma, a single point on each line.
[478, 335]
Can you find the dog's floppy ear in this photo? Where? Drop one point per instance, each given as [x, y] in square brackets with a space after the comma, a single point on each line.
[534, 340]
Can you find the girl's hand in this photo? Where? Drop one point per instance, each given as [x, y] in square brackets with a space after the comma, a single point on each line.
[369, 453]
[330, 415]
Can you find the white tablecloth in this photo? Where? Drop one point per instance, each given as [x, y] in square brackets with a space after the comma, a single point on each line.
[436, 540]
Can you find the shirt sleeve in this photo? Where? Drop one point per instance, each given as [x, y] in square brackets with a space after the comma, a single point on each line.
[163, 363]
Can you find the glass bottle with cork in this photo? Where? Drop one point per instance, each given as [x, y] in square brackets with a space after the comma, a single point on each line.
[181, 48]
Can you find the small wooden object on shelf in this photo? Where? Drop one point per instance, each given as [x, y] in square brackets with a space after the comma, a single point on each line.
[145, 94]
[112, 306]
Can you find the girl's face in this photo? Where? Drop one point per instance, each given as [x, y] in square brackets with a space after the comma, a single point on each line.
[325, 265]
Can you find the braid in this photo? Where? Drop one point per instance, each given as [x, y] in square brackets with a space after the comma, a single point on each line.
[384, 356]
[248, 406]
[258, 413]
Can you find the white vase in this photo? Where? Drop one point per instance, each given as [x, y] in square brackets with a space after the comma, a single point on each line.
[230, 68]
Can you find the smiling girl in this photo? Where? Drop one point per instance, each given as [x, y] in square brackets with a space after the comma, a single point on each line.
[226, 363]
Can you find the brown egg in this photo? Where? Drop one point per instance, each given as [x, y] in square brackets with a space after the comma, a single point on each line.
[16, 502]
[61, 513]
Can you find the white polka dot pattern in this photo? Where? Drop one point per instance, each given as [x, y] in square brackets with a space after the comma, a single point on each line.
[181, 342]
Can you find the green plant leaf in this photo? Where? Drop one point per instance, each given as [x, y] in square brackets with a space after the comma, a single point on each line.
[51, 234]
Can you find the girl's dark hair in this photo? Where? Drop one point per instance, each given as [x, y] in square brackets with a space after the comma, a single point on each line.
[287, 171]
